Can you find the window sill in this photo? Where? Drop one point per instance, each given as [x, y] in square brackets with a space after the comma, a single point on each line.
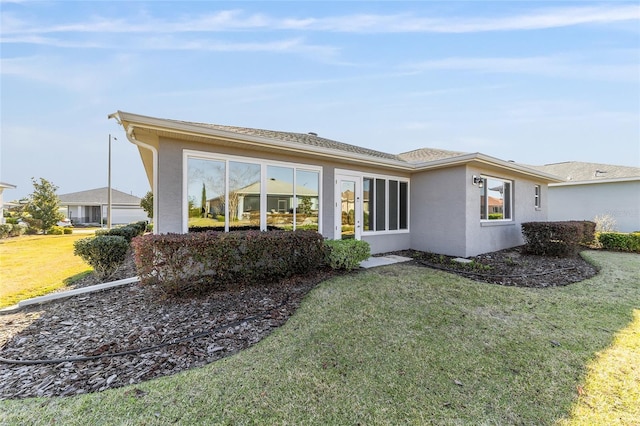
[497, 223]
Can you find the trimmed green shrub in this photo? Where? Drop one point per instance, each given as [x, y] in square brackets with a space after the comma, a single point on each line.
[68, 230]
[129, 232]
[346, 254]
[618, 241]
[55, 230]
[105, 253]
[552, 238]
[202, 262]
[5, 230]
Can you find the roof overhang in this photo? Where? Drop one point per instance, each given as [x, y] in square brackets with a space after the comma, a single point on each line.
[190, 131]
[597, 181]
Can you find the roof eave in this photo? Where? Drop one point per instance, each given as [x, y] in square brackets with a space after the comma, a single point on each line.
[486, 159]
[188, 129]
[595, 181]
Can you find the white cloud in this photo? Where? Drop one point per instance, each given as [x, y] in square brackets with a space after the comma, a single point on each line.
[553, 66]
[238, 20]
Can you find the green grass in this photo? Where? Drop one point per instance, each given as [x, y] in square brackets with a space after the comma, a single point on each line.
[32, 266]
[404, 345]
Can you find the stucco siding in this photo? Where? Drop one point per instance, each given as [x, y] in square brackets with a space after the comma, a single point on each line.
[488, 236]
[438, 203]
[620, 200]
[388, 242]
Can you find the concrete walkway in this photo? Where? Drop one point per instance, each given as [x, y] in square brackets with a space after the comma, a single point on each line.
[383, 260]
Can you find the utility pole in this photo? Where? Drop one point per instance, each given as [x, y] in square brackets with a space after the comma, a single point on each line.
[109, 186]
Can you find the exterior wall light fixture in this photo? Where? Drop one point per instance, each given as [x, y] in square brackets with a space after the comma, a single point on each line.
[477, 180]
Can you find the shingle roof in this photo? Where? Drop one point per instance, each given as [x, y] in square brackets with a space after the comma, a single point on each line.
[310, 139]
[576, 171]
[99, 196]
[428, 154]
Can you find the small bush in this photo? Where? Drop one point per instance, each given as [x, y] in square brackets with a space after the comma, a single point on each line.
[346, 254]
[201, 262]
[5, 230]
[105, 253]
[68, 230]
[552, 238]
[56, 230]
[129, 232]
[618, 241]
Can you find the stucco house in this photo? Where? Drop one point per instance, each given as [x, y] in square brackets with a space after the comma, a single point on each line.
[595, 189]
[4, 186]
[447, 202]
[90, 207]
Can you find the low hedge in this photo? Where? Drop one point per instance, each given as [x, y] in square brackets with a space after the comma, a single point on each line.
[129, 232]
[201, 262]
[621, 242]
[105, 253]
[554, 238]
[11, 230]
[346, 254]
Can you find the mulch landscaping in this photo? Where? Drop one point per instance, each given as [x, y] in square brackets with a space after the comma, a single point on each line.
[68, 345]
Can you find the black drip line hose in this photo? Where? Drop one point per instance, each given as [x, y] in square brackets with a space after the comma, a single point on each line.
[139, 350]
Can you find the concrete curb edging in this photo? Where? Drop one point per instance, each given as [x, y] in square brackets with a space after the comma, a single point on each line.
[64, 294]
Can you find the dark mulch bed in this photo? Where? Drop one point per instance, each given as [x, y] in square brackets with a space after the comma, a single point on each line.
[157, 336]
[511, 267]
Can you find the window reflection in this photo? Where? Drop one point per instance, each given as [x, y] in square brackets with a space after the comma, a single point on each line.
[307, 193]
[244, 194]
[229, 194]
[205, 192]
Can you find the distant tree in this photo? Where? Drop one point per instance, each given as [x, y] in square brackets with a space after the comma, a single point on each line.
[147, 204]
[44, 204]
[203, 202]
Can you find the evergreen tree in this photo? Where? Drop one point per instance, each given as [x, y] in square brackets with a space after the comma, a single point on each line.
[147, 204]
[203, 201]
[44, 204]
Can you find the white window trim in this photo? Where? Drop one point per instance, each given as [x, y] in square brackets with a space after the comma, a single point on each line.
[360, 176]
[511, 198]
[204, 155]
[537, 197]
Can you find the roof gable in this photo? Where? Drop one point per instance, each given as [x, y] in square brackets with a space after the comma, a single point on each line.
[99, 196]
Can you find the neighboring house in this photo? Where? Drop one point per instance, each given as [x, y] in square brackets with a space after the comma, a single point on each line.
[594, 189]
[447, 202]
[90, 207]
[3, 186]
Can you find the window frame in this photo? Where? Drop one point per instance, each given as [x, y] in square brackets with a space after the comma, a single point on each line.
[508, 200]
[537, 197]
[374, 179]
[263, 163]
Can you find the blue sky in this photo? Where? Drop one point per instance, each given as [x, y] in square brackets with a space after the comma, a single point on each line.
[533, 82]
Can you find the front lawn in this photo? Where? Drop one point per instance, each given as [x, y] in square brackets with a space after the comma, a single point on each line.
[402, 344]
[35, 265]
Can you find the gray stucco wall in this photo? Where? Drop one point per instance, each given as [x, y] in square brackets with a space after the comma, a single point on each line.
[620, 200]
[488, 236]
[438, 211]
[170, 181]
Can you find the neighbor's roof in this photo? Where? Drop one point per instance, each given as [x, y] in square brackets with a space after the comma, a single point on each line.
[98, 196]
[312, 144]
[578, 171]
[278, 187]
[4, 185]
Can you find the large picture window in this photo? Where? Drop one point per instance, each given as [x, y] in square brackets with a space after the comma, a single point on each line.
[385, 204]
[496, 199]
[233, 192]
